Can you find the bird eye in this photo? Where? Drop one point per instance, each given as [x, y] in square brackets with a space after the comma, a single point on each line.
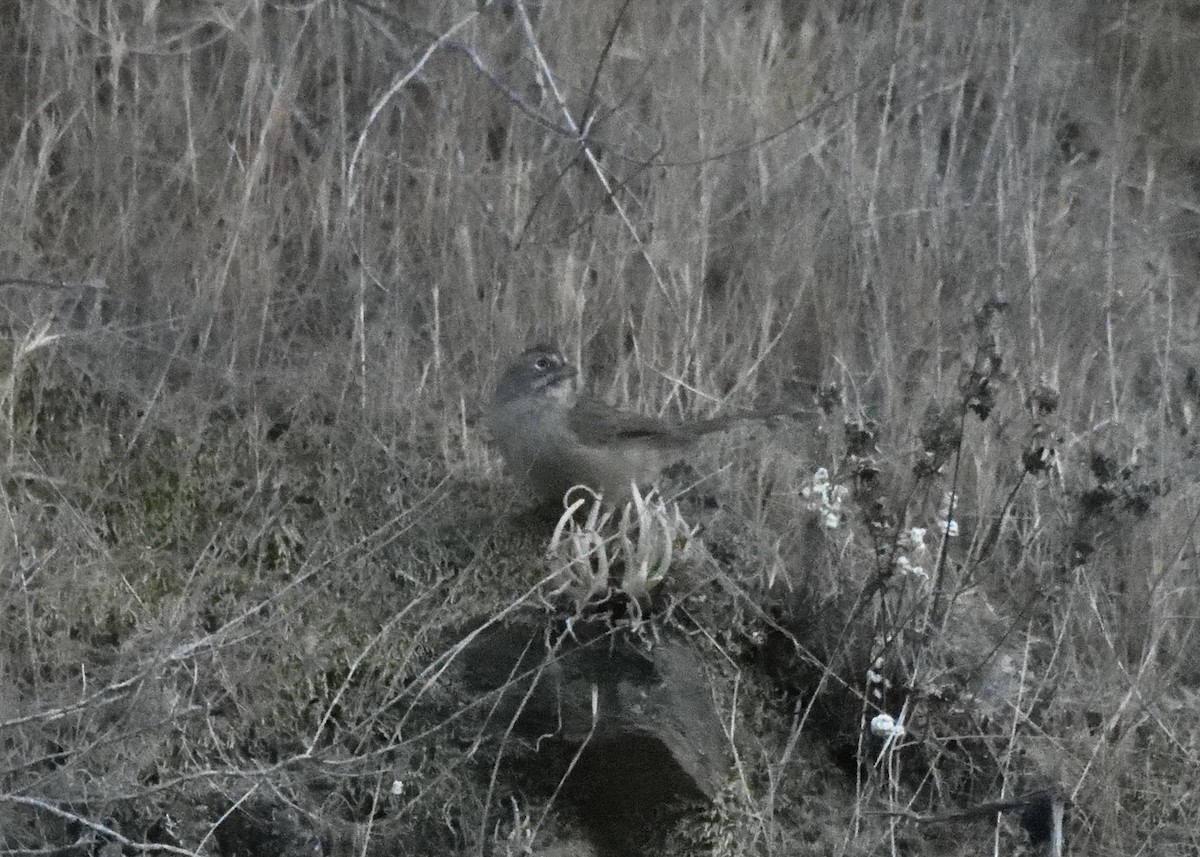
[542, 364]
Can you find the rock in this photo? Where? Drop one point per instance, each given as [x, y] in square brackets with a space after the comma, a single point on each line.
[638, 715]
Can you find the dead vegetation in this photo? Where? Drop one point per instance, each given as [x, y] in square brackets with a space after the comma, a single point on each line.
[260, 263]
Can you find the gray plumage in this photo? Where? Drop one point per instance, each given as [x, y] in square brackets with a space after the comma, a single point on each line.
[553, 438]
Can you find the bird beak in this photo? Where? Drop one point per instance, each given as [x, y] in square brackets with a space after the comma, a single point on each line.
[563, 372]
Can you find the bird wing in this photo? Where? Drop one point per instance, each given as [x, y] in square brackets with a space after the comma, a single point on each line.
[596, 423]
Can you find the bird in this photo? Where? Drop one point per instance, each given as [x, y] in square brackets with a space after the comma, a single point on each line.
[553, 436]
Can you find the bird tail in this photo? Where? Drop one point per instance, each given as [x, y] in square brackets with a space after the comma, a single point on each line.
[699, 427]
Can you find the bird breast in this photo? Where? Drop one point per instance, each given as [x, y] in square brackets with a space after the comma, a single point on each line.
[540, 448]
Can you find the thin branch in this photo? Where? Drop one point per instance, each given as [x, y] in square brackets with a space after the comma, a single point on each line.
[588, 152]
[103, 830]
[396, 86]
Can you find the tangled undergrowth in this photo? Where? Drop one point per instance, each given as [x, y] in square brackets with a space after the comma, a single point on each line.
[259, 264]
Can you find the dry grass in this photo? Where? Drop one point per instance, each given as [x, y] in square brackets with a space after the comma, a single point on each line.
[259, 263]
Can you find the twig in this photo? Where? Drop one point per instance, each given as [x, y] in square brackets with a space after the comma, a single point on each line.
[81, 843]
[581, 133]
[1041, 816]
[35, 803]
[396, 86]
[57, 713]
[467, 51]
